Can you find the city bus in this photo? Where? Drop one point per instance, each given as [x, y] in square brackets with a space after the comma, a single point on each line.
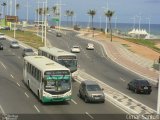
[64, 58]
[50, 81]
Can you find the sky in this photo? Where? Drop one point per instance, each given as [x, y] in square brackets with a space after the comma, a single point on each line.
[125, 10]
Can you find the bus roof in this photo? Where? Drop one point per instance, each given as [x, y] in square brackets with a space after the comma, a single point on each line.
[56, 51]
[44, 63]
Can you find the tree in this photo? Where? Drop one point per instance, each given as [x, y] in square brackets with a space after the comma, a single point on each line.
[17, 8]
[4, 7]
[71, 15]
[67, 14]
[92, 13]
[109, 14]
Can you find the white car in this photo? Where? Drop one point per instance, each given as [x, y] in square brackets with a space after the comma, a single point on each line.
[2, 37]
[14, 44]
[90, 46]
[75, 49]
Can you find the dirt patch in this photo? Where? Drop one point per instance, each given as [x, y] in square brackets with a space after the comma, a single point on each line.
[138, 49]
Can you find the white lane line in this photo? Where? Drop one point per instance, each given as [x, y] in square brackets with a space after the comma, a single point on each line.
[3, 65]
[12, 76]
[2, 109]
[36, 108]
[74, 101]
[102, 52]
[26, 95]
[122, 79]
[89, 115]
[18, 84]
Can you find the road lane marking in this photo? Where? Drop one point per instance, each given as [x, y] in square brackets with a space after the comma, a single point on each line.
[2, 109]
[18, 84]
[89, 115]
[12, 76]
[102, 52]
[27, 95]
[74, 101]
[3, 65]
[36, 108]
[122, 79]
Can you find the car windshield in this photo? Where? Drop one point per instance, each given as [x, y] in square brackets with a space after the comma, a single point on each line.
[14, 42]
[93, 88]
[75, 46]
[28, 50]
[143, 82]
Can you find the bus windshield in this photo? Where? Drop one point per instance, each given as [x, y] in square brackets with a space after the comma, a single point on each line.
[57, 85]
[68, 63]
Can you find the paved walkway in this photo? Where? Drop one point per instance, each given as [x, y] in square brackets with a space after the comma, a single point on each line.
[131, 61]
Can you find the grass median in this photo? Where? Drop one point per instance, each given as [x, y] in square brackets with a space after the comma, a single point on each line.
[27, 37]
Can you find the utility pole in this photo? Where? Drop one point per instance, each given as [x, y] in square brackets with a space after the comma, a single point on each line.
[158, 100]
[10, 7]
[149, 26]
[45, 33]
[27, 11]
[15, 21]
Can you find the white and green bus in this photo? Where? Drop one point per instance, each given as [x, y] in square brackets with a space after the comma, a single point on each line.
[64, 58]
[49, 80]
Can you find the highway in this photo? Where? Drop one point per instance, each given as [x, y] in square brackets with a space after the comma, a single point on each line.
[16, 98]
[97, 64]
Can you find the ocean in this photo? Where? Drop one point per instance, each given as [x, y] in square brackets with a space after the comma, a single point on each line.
[122, 27]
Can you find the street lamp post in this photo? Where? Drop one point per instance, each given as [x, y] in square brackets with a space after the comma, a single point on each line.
[15, 21]
[158, 100]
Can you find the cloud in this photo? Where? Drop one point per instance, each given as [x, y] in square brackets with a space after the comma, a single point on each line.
[152, 1]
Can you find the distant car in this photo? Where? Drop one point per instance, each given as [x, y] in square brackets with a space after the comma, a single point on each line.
[90, 46]
[90, 91]
[1, 46]
[140, 86]
[53, 27]
[28, 52]
[2, 37]
[75, 49]
[14, 44]
[58, 34]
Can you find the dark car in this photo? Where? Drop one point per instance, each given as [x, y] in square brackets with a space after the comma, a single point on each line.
[140, 86]
[58, 34]
[28, 52]
[1, 46]
[90, 91]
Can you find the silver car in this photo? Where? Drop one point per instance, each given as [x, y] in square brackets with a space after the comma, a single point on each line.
[28, 52]
[90, 91]
[14, 44]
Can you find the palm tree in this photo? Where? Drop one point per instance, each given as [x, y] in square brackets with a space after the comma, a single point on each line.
[92, 13]
[17, 8]
[4, 5]
[109, 14]
[67, 14]
[54, 9]
[71, 15]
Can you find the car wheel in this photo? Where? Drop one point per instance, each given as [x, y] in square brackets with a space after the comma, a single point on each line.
[85, 99]
[149, 93]
[80, 95]
[129, 87]
[135, 90]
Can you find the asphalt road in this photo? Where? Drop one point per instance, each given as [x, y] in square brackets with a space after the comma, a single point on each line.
[97, 64]
[16, 98]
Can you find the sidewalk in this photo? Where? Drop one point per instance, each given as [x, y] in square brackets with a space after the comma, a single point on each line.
[129, 60]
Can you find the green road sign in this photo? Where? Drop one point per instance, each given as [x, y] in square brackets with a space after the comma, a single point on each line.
[55, 19]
